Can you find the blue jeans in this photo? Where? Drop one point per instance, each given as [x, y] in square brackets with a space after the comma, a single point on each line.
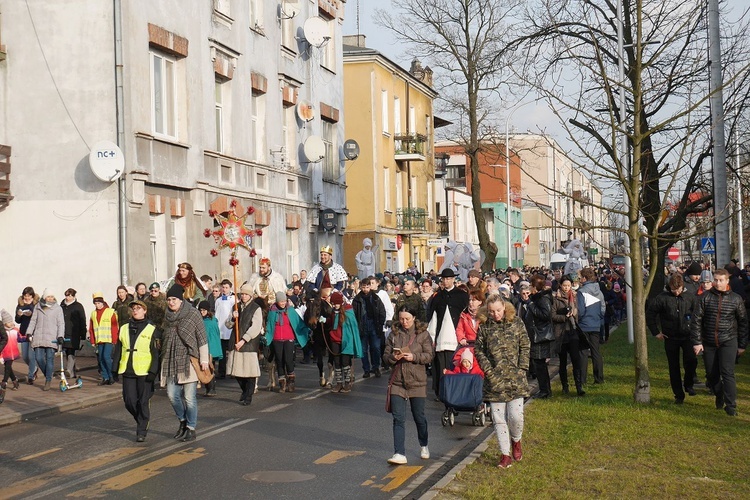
[105, 360]
[29, 358]
[370, 350]
[45, 359]
[398, 410]
[184, 402]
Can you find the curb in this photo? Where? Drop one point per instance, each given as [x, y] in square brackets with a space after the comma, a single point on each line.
[54, 409]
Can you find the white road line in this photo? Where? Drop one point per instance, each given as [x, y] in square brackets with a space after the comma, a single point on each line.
[274, 408]
[219, 428]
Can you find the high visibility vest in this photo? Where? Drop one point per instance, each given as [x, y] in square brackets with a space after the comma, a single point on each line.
[103, 329]
[141, 351]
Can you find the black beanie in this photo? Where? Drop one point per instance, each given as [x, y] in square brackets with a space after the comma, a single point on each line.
[204, 305]
[694, 269]
[176, 290]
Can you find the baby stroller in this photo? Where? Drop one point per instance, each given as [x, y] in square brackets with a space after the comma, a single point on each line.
[462, 392]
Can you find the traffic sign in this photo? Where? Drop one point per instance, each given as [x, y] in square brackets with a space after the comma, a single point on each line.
[673, 253]
[708, 245]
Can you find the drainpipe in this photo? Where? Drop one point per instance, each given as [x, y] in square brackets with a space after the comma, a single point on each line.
[120, 121]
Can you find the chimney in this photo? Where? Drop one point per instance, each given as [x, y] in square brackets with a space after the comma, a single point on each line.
[354, 40]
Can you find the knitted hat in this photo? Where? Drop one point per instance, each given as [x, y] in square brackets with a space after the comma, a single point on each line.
[247, 289]
[138, 303]
[280, 296]
[616, 287]
[176, 291]
[46, 293]
[467, 355]
[707, 276]
[6, 317]
[337, 298]
[203, 304]
[694, 269]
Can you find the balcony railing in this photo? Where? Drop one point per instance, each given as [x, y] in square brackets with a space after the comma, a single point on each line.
[414, 219]
[455, 182]
[5, 195]
[442, 226]
[410, 147]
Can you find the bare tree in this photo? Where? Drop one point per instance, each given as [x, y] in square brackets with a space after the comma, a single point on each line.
[571, 59]
[465, 43]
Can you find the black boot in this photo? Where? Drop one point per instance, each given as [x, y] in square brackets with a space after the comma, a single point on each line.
[181, 431]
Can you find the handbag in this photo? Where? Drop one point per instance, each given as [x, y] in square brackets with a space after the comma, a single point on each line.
[205, 377]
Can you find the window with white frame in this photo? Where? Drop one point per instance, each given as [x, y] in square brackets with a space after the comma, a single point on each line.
[289, 131]
[163, 95]
[399, 192]
[222, 6]
[288, 18]
[414, 187]
[257, 118]
[330, 162]
[256, 15]
[396, 115]
[179, 240]
[158, 238]
[430, 199]
[412, 120]
[292, 253]
[384, 109]
[328, 50]
[261, 181]
[219, 115]
[386, 190]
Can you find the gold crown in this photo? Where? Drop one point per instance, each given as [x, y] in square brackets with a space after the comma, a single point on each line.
[327, 249]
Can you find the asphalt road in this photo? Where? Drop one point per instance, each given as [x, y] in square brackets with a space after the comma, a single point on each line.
[308, 444]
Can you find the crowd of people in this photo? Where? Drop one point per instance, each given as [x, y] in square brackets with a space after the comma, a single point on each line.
[505, 326]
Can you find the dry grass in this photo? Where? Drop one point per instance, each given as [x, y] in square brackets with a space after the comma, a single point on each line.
[604, 445]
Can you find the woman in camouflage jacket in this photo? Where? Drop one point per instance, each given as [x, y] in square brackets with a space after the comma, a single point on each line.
[502, 351]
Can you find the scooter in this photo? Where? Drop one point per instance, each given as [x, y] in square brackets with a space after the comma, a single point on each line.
[64, 385]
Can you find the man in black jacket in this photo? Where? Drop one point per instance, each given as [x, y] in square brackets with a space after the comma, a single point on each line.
[668, 318]
[370, 313]
[719, 330]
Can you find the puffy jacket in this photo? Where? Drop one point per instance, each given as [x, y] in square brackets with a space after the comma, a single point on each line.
[409, 378]
[590, 318]
[502, 352]
[47, 325]
[718, 318]
[670, 314]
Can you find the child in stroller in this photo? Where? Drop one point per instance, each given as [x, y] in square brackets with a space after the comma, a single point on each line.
[461, 389]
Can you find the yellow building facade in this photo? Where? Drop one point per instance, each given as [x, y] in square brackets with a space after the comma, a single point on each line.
[390, 186]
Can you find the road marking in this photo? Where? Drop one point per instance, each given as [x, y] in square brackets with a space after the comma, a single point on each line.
[139, 474]
[217, 429]
[337, 455]
[275, 408]
[40, 454]
[34, 482]
[399, 476]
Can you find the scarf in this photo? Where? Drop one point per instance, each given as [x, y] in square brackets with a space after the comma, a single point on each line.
[180, 341]
[326, 267]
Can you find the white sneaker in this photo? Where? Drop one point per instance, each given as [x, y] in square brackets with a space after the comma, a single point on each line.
[397, 459]
[424, 452]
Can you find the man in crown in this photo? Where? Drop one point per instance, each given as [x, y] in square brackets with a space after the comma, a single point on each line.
[267, 282]
[326, 273]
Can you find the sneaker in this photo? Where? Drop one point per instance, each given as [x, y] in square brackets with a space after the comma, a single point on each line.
[397, 459]
[16, 385]
[730, 411]
[323, 382]
[517, 452]
[366, 375]
[424, 453]
[140, 438]
[47, 385]
[189, 436]
[505, 462]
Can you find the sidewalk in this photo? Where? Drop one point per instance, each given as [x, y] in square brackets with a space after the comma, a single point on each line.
[30, 401]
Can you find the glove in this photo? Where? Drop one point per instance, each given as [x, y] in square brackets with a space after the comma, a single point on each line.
[150, 377]
[60, 341]
[116, 378]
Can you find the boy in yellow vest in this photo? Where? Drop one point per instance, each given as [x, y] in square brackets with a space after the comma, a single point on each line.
[136, 359]
[103, 329]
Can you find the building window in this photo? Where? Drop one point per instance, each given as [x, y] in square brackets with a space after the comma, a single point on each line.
[256, 15]
[387, 190]
[257, 118]
[292, 253]
[328, 50]
[396, 115]
[289, 131]
[261, 181]
[330, 162]
[414, 196]
[179, 240]
[219, 108]
[158, 239]
[399, 192]
[430, 199]
[384, 111]
[412, 120]
[163, 95]
[291, 188]
[289, 8]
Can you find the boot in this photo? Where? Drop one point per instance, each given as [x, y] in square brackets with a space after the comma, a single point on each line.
[282, 384]
[347, 374]
[182, 430]
[336, 385]
[272, 379]
[290, 382]
[331, 375]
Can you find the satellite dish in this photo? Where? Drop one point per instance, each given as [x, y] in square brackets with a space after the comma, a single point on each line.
[289, 9]
[305, 111]
[316, 31]
[351, 149]
[314, 148]
[106, 161]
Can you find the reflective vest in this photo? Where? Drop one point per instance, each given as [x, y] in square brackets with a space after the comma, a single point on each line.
[141, 351]
[103, 330]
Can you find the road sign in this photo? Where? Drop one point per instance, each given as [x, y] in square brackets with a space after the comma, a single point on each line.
[673, 253]
[708, 245]
[593, 251]
[439, 242]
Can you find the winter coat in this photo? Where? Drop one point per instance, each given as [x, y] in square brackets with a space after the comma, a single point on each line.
[245, 364]
[502, 351]
[446, 305]
[212, 335]
[22, 319]
[300, 329]
[564, 325]
[719, 318]
[156, 308]
[75, 324]
[591, 317]
[360, 312]
[184, 336]
[122, 309]
[467, 328]
[47, 325]
[415, 302]
[409, 377]
[538, 321]
[9, 343]
[670, 314]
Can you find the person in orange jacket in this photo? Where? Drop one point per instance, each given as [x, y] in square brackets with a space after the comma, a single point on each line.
[103, 330]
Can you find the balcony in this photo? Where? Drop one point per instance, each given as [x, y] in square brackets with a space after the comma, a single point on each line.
[442, 226]
[411, 219]
[5, 195]
[410, 147]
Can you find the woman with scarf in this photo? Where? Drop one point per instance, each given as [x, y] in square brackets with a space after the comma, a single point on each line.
[195, 290]
[564, 318]
[282, 330]
[184, 337]
[242, 361]
[344, 343]
[46, 333]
